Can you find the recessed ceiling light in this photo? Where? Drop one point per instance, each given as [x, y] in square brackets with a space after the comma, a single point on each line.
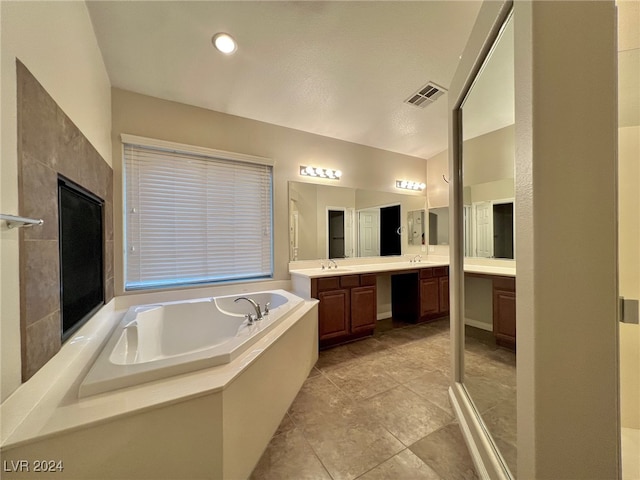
[224, 43]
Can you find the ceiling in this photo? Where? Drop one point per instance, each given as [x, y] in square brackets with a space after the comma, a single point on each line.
[339, 69]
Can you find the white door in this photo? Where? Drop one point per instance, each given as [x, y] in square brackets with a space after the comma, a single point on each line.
[484, 230]
[349, 233]
[293, 230]
[369, 233]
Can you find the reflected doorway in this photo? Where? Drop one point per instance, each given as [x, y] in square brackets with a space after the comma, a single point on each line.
[336, 234]
[503, 230]
[390, 232]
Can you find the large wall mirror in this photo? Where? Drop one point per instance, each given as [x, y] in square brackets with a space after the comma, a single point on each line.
[327, 221]
[488, 155]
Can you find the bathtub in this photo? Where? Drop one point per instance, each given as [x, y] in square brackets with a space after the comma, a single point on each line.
[164, 339]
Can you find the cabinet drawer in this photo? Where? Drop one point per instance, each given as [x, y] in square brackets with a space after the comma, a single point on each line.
[347, 281]
[426, 273]
[328, 283]
[440, 271]
[368, 279]
[505, 283]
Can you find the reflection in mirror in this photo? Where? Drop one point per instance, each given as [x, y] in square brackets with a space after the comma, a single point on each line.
[415, 224]
[326, 221]
[488, 153]
[439, 226]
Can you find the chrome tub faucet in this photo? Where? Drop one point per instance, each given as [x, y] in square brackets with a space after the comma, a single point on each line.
[256, 307]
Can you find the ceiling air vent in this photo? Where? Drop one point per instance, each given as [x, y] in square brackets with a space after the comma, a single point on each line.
[426, 95]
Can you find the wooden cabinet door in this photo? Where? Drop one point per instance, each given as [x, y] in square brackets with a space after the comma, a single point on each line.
[333, 313]
[504, 317]
[429, 296]
[444, 294]
[363, 309]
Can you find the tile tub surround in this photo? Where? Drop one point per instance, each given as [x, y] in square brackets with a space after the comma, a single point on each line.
[376, 409]
[49, 144]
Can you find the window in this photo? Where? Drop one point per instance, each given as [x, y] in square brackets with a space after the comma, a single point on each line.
[195, 215]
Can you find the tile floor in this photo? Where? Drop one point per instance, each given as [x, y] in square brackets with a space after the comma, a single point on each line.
[490, 379]
[379, 409]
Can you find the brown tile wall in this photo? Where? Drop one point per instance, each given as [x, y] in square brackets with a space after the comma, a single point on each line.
[50, 144]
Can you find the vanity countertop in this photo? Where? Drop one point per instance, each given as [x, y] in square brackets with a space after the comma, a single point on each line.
[365, 268]
[487, 268]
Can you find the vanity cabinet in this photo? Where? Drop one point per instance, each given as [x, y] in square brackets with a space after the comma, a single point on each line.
[347, 308]
[422, 295]
[504, 311]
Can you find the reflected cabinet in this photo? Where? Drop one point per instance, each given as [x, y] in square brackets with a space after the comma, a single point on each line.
[504, 311]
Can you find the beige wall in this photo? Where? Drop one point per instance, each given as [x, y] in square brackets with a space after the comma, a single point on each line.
[437, 188]
[484, 192]
[629, 270]
[55, 41]
[567, 335]
[487, 158]
[362, 167]
[629, 203]
[303, 200]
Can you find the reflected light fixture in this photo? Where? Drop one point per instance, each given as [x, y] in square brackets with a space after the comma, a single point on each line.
[409, 185]
[329, 173]
[224, 43]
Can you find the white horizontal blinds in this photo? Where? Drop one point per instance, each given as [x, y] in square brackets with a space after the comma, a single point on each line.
[194, 219]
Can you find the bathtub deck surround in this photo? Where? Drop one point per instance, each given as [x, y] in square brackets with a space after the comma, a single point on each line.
[161, 340]
[207, 414]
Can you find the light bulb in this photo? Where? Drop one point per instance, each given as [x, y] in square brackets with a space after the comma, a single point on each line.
[403, 184]
[309, 170]
[338, 173]
[422, 186]
[224, 43]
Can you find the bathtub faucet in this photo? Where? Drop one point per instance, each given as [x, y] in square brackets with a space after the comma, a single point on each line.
[256, 306]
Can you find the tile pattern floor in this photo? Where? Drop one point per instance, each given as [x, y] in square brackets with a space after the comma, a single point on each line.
[490, 379]
[376, 409]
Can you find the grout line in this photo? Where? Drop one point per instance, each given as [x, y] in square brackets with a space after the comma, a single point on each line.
[315, 454]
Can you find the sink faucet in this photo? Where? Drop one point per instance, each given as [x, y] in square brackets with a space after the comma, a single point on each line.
[416, 259]
[330, 261]
[256, 306]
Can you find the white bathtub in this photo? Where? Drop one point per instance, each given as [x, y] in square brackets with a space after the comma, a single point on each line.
[164, 339]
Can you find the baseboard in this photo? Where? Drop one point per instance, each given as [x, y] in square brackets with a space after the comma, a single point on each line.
[488, 464]
[477, 324]
[384, 315]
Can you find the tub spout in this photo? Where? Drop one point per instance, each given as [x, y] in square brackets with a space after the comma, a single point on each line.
[256, 306]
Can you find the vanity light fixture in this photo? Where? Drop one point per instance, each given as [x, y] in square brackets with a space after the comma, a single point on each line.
[224, 43]
[306, 171]
[409, 185]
